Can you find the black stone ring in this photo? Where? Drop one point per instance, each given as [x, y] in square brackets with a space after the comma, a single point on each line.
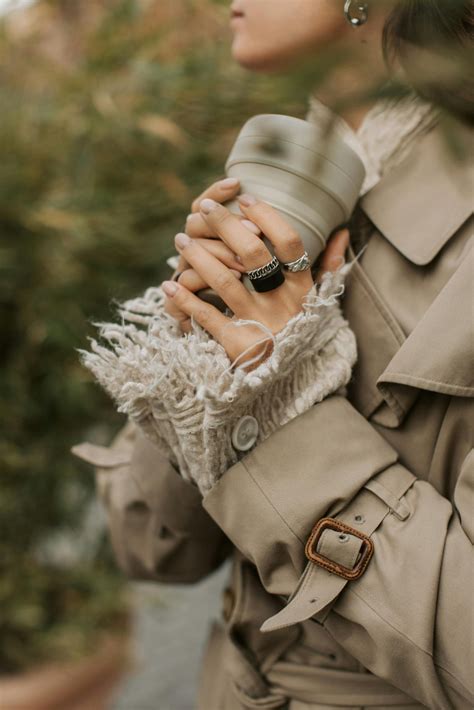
[268, 283]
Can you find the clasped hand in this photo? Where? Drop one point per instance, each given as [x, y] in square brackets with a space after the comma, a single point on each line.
[219, 263]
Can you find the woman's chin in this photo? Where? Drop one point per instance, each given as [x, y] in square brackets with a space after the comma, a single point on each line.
[256, 59]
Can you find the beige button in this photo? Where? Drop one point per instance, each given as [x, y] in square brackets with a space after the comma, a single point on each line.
[244, 433]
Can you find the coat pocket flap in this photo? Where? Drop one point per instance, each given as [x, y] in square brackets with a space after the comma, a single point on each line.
[100, 456]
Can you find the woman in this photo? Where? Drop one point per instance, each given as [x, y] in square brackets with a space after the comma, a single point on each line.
[350, 522]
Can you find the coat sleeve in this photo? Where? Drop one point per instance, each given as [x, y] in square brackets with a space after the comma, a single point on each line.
[186, 395]
[408, 617]
[158, 528]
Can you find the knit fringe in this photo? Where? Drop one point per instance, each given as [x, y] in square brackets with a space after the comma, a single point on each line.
[187, 396]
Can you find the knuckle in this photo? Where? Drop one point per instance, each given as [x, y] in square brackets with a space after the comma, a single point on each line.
[201, 314]
[180, 297]
[185, 277]
[224, 280]
[293, 241]
[195, 204]
[254, 251]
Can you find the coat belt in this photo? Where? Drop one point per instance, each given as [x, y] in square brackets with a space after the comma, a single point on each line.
[286, 681]
[332, 686]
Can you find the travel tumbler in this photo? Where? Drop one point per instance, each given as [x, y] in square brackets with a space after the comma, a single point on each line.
[311, 176]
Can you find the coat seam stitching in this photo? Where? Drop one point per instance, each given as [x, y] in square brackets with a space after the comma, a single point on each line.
[415, 378]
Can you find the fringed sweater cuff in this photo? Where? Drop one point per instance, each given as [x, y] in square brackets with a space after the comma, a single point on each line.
[187, 396]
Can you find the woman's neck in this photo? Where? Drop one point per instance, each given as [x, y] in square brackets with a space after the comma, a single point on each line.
[349, 88]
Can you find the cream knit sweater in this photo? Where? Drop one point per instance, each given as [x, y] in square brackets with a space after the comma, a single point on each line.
[184, 392]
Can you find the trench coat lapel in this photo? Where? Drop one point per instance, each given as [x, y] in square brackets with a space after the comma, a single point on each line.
[422, 202]
[437, 355]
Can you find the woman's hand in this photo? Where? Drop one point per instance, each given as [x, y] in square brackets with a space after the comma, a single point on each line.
[274, 308]
[197, 228]
[192, 281]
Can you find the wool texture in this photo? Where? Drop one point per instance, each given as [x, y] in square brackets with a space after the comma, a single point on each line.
[187, 396]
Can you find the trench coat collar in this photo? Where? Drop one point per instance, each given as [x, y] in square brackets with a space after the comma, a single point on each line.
[422, 201]
[437, 355]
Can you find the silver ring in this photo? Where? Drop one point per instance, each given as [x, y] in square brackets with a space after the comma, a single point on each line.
[301, 264]
[265, 270]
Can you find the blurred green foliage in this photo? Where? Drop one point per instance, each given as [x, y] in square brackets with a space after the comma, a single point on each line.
[114, 116]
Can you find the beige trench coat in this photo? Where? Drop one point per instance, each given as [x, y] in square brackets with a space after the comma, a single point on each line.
[393, 461]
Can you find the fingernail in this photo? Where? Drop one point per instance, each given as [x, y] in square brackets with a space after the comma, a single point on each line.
[207, 205]
[229, 182]
[247, 200]
[169, 287]
[237, 258]
[251, 226]
[191, 214]
[182, 240]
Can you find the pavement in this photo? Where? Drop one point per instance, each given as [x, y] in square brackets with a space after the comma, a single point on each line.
[170, 630]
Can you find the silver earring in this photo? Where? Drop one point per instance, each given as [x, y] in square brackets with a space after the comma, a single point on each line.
[361, 18]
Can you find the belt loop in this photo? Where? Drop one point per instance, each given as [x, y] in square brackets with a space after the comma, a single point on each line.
[390, 486]
[398, 507]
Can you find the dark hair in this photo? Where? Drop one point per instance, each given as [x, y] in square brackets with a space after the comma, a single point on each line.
[444, 31]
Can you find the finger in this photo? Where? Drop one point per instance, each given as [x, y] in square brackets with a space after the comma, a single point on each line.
[334, 254]
[222, 252]
[182, 265]
[252, 250]
[220, 191]
[215, 273]
[193, 281]
[208, 316]
[196, 226]
[172, 309]
[216, 247]
[286, 241]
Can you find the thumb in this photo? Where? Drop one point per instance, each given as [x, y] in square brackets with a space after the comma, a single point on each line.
[333, 256]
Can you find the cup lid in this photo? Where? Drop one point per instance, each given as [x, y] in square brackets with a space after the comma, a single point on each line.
[268, 130]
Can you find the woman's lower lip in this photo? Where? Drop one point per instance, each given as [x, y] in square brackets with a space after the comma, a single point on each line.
[236, 18]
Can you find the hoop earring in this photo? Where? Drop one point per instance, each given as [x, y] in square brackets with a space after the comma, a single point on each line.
[362, 8]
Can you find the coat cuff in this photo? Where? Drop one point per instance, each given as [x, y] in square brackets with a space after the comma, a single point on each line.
[184, 394]
[311, 468]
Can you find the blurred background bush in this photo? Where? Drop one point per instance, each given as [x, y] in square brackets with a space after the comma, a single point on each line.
[115, 114]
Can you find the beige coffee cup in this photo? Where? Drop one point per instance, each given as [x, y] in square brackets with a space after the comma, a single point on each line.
[313, 179]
